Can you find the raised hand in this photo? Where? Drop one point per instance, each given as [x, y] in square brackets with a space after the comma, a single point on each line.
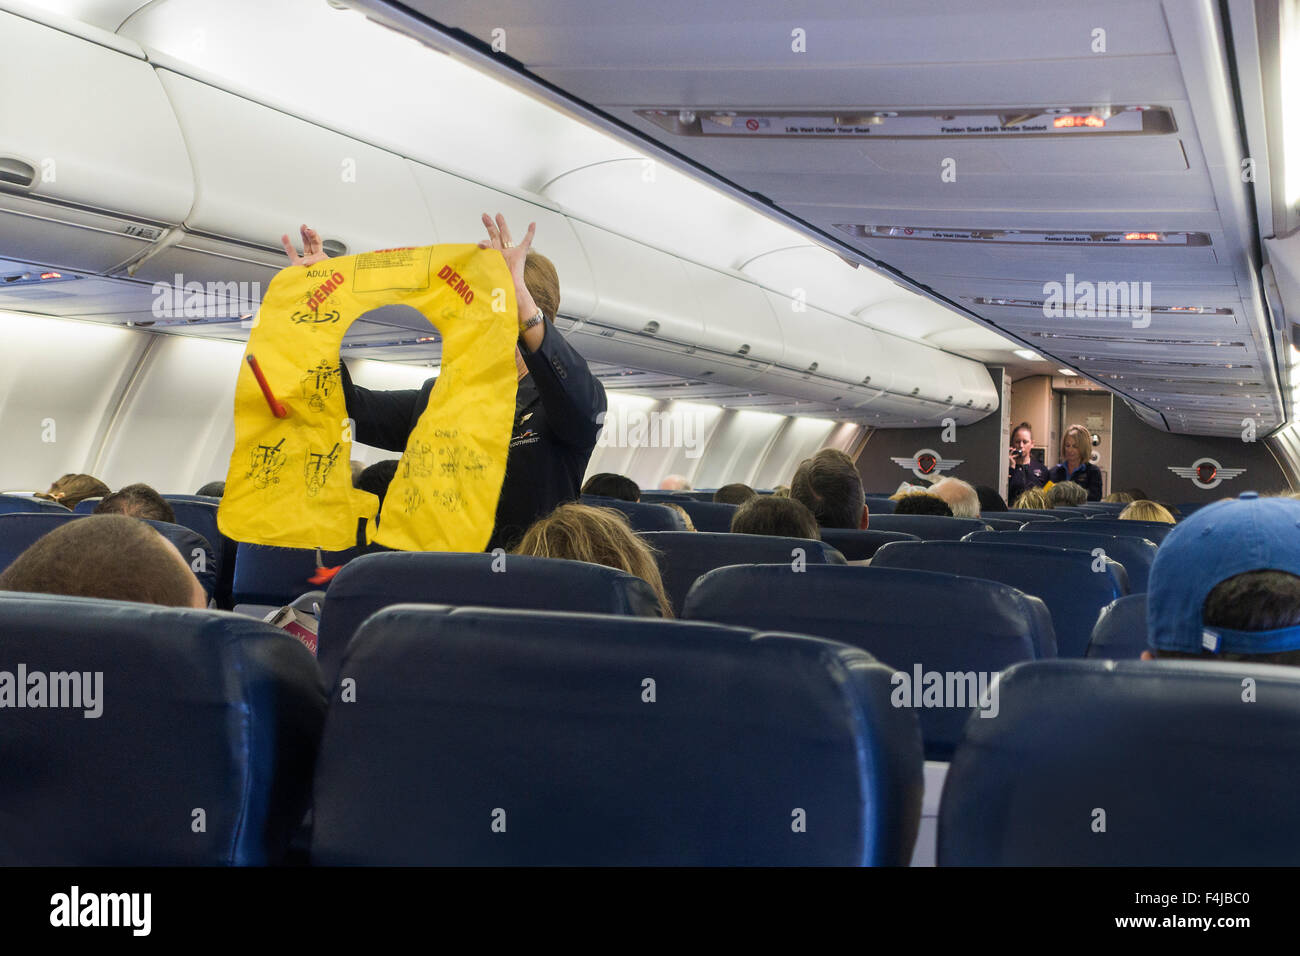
[312, 248]
[499, 238]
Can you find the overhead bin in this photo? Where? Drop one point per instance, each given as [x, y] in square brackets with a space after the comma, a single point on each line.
[260, 173]
[93, 167]
[818, 277]
[456, 206]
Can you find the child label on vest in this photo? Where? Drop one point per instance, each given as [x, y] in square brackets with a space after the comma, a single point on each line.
[289, 484]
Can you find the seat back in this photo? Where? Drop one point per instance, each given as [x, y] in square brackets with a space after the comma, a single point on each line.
[1048, 514]
[1121, 629]
[1152, 530]
[198, 717]
[200, 513]
[1072, 511]
[1063, 578]
[494, 738]
[375, 581]
[195, 549]
[19, 531]
[642, 517]
[87, 506]
[861, 545]
[1128, 763]
[683, 556]
[1136, 554]
[1102, 508]
[21, 504]
[276, 576]
[879, 505]
[928, 527]
[709, 515]
[916, 621]
[1001, 523]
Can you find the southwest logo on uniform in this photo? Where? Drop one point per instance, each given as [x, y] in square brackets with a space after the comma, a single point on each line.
[1206, 473]
[926, 463]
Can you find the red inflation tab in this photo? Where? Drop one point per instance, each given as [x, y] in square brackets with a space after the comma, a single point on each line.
[277, 409]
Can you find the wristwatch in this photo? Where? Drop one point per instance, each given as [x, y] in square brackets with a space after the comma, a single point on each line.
[525, 326]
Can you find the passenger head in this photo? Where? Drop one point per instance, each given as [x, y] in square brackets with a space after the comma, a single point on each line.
[1076, 446]
[1118, 498]
[961, 498]
[781, 491]
[137, 501]
[608, 485]
[71, 489]
[990, 500]
[357, 468]
[828, 485]
[213, 489]
[1067, 494]
[734, 494]
[675, 483]
[1225, 584]
[922, 503]
[1136, 494]
[1035, 498]
[768, 514]
[685, 515]
[1147, 511]
[598, 536]
[1022, 439]
[377, 477]
[106, 556]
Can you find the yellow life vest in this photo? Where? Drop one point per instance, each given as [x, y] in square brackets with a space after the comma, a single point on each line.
[290, 481]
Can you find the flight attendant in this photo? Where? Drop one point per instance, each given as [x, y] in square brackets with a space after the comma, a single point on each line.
[1024, 473]
[559, 404]
[1076, 449]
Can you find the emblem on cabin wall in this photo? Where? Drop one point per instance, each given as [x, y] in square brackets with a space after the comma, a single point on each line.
[1206, 473]
[926, 463]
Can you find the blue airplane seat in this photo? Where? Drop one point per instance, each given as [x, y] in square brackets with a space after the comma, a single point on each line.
[276, 576]
[492, 737]
[19, 531]
[938, 623]
[642, 517]
[21, 504]
[858, 545]
[200, 513]
[684, 555]
[1121, 629]
[712, 516]
[1136, 554]
[204, 717]
[928, 527]
[881, 506]
[203, 559]
[375, 581]
[1063, 578]
[999, 522]
[1155, 531]
[87, 506]
[1128, 763]
[1042, 514]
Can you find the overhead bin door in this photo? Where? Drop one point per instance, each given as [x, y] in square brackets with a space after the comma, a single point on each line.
[93, 167]
[261, 173]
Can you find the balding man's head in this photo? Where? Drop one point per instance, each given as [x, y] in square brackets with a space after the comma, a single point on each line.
[961, 497]
[106, 556]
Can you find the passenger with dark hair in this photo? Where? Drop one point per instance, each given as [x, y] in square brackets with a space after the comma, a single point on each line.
[828, 485]
[377, 477]
[106, 556]
[1024, 472]
[922, 503]
[137, 501]
[72, 489]
[608, 485]
[734, 494]
[768, 514]
[990, 500]
[1136, 494]
[1225, 584]
[213, 489]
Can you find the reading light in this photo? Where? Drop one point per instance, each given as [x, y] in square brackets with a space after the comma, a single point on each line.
[1027, 355]
[1067, 372]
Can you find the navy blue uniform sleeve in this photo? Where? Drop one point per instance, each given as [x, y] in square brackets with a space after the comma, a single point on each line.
[380, 419]
[573, 398]
[1094, 483]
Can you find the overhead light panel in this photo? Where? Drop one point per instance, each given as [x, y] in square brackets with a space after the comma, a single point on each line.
[1027, 355]
[1026, 236]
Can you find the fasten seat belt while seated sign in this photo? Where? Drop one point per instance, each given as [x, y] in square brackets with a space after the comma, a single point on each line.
[290, 482]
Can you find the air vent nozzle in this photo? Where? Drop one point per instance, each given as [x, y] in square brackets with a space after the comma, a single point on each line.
[334, 247]
[650, 328]
[17, 173]
[743, 350]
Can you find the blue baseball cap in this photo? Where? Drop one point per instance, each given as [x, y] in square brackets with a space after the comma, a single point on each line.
[1218, 542]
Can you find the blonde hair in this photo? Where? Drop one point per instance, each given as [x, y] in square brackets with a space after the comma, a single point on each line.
[598, 536]
[71, 489]
[543, 284]
[1082, 440]
[1035, 498]
[686, 517]
[1118, 498]
[1146, 511]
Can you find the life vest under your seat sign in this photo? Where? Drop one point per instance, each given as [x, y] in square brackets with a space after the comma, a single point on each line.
[290, 481]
